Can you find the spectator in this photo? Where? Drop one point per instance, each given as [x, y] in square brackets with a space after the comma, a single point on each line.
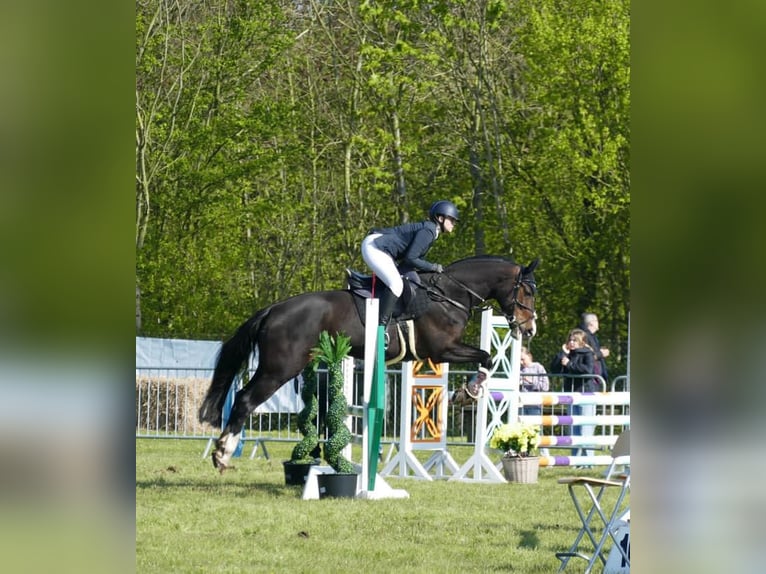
[589, 324]
[533, 379]
[577, 358]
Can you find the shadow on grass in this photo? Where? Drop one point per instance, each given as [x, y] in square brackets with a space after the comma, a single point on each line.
[529, 539]
[239, 489]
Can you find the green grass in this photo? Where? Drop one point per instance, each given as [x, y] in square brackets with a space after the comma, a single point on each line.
[191, 519]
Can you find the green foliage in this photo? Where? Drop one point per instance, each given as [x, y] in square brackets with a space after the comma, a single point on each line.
[307, 417]
[575, 174]
[271, 138]
[332, 351]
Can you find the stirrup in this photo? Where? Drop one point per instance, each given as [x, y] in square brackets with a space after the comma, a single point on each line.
[386, 340]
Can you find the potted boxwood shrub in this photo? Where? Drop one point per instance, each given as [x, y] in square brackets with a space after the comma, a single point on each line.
[332, 351]
[301, 459]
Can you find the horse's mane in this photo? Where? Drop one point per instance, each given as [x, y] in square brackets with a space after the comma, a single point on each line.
[485, 258]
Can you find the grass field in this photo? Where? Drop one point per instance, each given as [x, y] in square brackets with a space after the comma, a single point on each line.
[191, 519]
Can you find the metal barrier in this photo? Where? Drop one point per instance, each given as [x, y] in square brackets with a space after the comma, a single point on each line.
[167, 400]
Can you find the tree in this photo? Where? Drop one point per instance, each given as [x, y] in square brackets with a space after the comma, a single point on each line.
[272, 135]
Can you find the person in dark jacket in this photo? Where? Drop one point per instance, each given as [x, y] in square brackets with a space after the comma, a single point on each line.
[393, 250]
[577, 358]
[589, 324]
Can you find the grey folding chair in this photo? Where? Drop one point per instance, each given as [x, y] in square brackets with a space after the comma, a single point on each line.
[587, 494]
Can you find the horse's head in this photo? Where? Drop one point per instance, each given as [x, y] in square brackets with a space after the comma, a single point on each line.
[519, 304]
[485, 277]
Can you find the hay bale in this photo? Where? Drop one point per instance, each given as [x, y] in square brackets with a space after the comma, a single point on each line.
[170, 405]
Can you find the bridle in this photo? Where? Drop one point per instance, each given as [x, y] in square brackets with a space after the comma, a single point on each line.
[482, 302]
[521, 282]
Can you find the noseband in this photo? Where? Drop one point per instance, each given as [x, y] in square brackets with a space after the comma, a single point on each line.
[520, 281]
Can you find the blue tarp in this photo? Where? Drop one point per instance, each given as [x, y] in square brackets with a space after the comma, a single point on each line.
[176, 357]
[181, 353]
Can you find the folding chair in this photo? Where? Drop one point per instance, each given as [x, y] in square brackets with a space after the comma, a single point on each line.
[587, 492]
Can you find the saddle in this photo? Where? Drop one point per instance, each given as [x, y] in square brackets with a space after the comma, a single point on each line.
[411, 305]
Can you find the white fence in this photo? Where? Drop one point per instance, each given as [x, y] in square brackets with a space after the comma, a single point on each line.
[168, 398]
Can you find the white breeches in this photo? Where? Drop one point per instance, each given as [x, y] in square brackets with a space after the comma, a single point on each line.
[382, 264]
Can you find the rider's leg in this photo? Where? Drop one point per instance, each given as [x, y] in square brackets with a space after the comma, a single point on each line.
[386, 270]
[387, 304]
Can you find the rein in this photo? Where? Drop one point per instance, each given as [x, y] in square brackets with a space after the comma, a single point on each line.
[442, 297]
[481, 300]
[470, 291]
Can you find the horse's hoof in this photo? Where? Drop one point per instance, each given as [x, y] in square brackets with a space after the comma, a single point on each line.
[473, 390]
[475, 387]
[225, 447]
[218, 464]
[220, 459]
[223, 467]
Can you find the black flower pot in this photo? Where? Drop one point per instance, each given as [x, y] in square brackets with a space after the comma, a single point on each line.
[339, 485]
[296, 472]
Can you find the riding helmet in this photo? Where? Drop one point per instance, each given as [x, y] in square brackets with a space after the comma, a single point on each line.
[443, 207]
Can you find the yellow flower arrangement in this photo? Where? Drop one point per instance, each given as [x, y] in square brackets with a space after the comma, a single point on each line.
[516, 439]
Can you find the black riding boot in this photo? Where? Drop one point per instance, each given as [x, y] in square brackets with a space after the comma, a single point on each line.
[386, 309]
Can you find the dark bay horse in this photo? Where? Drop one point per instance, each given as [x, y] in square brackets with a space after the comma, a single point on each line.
[285, 333]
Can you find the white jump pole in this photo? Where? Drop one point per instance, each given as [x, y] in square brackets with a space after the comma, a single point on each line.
[381, 488]
[505, 350]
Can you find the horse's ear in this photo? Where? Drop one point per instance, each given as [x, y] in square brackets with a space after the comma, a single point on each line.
[531, 267]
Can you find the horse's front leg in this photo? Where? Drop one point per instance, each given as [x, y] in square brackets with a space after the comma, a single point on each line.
[462, 353]
[475, 385]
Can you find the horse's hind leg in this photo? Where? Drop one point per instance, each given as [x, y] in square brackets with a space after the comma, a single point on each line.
[224, 449]
[247, 399]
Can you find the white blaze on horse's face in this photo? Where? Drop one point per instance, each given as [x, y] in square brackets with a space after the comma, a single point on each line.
[528, 327]
[533, 325]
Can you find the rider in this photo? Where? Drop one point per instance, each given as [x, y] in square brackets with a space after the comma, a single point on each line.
[385, 249]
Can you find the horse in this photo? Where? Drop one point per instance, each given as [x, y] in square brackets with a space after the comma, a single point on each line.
[285, 332]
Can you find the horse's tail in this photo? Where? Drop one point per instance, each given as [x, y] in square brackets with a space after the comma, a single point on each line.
[231, 359]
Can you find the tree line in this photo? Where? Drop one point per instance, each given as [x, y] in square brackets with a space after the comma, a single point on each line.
[272, 135]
